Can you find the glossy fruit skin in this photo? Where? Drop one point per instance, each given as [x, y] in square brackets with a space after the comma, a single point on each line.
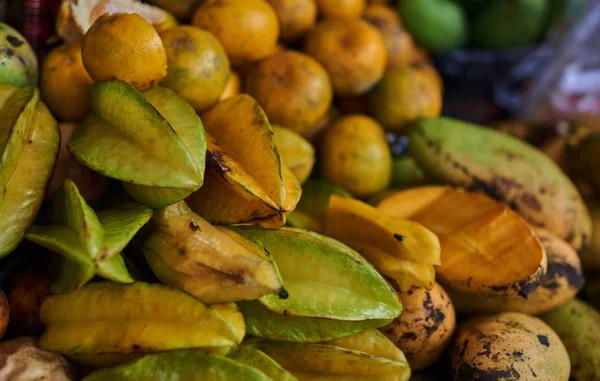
[198, 67]
[296, 17]
[354, 154]
[248, 29]
[401, 49]
[352, 51]
[437, 25]
[340, 8]
[65, 83]
[19, 64]
[406, 94]
[293, 89]
[126, 47]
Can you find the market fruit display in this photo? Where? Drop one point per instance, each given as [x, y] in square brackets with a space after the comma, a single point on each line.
[267, 190]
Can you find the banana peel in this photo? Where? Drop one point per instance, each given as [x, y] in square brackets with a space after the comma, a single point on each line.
[324, 278]
[89, 243]
[127, 138]
[184, 365]
[254, 358]
[325, 362]
[507, 169]
[29, 146]
[113, 318]
[486, 247]
[213, 264]
[246, 182]
[75, 17]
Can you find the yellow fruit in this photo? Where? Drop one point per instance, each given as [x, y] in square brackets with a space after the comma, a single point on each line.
[248, 29]
[340, 8]
[64, 83]
[296, 17]
[198, 67]
[295, 151]
[406, 94]
[401, 49]
[292, 88]
[354, 154]
[486, 247]
[233, 87]
[75, 17]
[125, 47]
[352, 51]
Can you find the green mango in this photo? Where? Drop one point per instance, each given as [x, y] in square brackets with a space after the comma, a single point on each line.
[260, 322]
[127, 138]
[18, 62]
[188, 126]
[89, 243]
[186, 365]
[437, 25]
[578, 326]
[104, 318]
[312, 208]
[29, 145]
[510, 24]
[254, 358]
[323, 362]
[332, 282]
[507, 169]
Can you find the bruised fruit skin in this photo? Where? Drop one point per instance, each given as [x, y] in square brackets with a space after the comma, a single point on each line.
[26, 292]
[23, 360]
[296, 17]
[91, 184]
[340, 8]
[426, 325]
[198, 67]
[65, 83]
[507, 169]
[4, 313]
[352, 51]
[293, 89]
[248, 29]
[126, 47]
[401, 49]
[406, 94]
[354, 154]
[561, 282]
[19, 65]
[29, 146]
[509, 346]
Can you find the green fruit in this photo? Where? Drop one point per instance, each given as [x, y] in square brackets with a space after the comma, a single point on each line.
[559, 10]
[507, 169]
[438, 25]
[406, 173]
[260, 322]
[89, 243]
[130, 139]
[312, 208]
[254, 358]
[510, 23]
[29, 145]
[326, 362]
[333, 287]
[18, 62]
[186, 365]
[578, 326]
[113, 318]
